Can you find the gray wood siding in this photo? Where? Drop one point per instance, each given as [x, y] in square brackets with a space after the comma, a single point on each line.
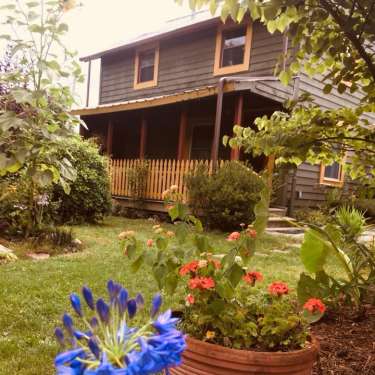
[185, 63]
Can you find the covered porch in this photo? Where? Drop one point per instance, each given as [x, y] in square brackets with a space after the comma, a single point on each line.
[173, 138]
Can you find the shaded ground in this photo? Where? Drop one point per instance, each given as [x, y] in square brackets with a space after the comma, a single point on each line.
[347, 344]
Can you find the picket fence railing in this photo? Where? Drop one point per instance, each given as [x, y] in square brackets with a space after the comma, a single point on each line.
[161, 174]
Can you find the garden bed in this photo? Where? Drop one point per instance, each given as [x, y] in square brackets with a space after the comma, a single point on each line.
[347, 344]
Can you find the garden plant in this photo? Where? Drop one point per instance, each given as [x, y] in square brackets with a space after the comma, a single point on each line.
[223, 304]
[106, 342]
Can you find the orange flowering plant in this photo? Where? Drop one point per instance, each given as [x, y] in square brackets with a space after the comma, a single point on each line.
[222, 302]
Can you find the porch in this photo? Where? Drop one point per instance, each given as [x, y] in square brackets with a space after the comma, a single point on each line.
[173, 139]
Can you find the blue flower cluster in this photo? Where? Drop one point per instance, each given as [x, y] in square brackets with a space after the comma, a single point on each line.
[110, 346]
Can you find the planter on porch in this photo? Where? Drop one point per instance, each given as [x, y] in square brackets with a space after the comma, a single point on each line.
[201, 358]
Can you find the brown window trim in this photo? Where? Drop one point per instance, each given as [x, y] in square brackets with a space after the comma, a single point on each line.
[218, 70]
[154, 82]
[337, 182]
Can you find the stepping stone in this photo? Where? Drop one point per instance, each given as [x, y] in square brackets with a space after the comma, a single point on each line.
[38, 256]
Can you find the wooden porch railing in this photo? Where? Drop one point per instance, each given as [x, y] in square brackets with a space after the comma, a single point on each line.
[161, 175]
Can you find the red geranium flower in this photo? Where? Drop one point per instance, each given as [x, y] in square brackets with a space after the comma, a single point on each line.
[216, 264]
[313, 305]
[252, 277]
[234, 236]
[251, 233]
[190, 299]
[201, 283]
[150, 242]
[278, 288]
[189, 267]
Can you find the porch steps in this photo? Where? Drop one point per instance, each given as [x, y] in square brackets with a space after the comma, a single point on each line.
[278, 211]
[278, 222]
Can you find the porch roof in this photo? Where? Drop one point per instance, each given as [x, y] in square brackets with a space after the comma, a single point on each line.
[153, 101]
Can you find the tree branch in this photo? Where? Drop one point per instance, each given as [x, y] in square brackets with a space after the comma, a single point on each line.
[350, 34]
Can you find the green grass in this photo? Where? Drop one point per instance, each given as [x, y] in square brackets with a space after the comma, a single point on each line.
[34, 294]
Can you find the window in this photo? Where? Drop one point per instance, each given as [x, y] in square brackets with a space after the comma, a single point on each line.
[146, 67]
[332, 174]
[232, 49]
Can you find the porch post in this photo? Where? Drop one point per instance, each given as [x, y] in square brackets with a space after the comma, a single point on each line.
[109, 137]
[181, 153]
[143, 138]
[235, 152]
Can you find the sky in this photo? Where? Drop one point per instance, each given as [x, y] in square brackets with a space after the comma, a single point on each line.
[100, 24]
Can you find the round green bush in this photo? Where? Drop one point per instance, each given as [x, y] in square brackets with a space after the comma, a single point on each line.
[226, 198]
[89, 199]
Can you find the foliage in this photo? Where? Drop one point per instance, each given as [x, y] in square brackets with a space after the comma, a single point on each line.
[24, 209]
[35, 117]
[216, 308]
[137, 176]
[227, 197]
[25, 326]
[29, 210]
[329, 39]
[337, 243]
[169, 256]
[89, 199]
[111, 344]
[243, 319]
[314, 216]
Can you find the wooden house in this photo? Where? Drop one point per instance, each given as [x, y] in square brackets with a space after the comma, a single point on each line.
[169, 97]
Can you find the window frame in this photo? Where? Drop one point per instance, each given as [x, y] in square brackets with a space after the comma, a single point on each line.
[154, 82]
[218, 69]
[337, 182]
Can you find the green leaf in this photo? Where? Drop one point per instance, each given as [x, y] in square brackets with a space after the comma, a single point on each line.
[173, 212]
[161, 243]
[235, 274]
[160, 275]
[137, 264]
[327, 88]
[131, 250]
[181, 232]
[225, 290]
[171, 282]
[202, 244]
[313, 251]
[285, 77]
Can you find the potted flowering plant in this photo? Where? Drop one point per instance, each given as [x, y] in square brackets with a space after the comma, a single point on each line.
[231, 323]
[107, 343]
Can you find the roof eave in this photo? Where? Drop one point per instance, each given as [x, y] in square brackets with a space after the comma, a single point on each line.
[182, 30]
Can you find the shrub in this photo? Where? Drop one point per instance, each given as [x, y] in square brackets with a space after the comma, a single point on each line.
[137, 176]
[226, 198]
[89, 199]
[314, 216]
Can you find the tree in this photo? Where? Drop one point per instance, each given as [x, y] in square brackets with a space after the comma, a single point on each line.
[34, 117]
[333, 38]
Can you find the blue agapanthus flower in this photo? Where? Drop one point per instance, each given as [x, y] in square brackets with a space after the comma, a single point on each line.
[106, 344]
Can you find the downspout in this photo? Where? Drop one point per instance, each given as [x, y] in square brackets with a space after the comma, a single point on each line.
[219, 105]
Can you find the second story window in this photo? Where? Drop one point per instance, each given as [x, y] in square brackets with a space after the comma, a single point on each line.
[146, 67]
[332, 174]
[233, 45]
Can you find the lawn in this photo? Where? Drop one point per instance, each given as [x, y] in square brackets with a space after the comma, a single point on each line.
[34, 294]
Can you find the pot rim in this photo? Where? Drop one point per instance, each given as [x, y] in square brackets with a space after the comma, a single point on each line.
[313, 347]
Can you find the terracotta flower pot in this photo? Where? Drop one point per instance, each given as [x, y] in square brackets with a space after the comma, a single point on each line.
[201, 358]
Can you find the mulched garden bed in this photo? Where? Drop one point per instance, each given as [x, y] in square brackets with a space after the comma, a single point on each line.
[347, 343]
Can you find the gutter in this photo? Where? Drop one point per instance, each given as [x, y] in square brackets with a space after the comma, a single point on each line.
[219, 104]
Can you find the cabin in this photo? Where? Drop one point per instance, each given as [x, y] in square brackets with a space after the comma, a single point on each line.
[169, 97]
